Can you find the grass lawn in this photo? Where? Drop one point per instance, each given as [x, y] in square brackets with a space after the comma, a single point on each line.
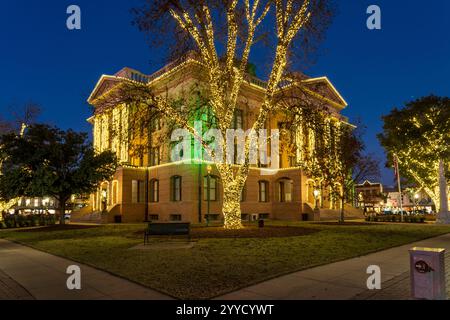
[218, 265]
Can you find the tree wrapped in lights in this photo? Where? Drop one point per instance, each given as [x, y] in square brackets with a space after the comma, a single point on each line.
[332, 152]
[419, 135]
[223, 34]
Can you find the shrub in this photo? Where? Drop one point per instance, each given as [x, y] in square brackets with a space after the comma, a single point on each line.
[21, 221]
[34, 220]
[41, 220]
[10, 221]
[50, 220]
[29, 221]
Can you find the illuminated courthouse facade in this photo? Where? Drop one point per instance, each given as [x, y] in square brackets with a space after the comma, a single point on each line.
[151, 187]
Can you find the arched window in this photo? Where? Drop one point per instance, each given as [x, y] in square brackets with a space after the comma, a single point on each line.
[154, 190]
[115, 190]
[263, 191]
[243, 193]
[175, 188]
[210, 192]
[285, 187]
[310, 191]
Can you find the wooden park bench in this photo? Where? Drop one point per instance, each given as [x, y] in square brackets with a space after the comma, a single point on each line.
[167, 229]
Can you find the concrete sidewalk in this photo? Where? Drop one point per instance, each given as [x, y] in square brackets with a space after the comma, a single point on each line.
[26, 273]
[341, 280]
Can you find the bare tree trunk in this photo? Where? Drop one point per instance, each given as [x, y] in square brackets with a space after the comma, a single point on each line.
[342, 215]
[62, 211]
[442, 213]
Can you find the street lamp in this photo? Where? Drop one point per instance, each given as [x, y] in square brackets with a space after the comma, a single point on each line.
[316, 197]
[208, 191]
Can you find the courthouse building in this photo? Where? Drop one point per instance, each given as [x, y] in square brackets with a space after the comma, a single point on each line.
[152, 187]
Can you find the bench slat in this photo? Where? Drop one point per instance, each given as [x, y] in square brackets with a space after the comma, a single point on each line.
[168, 229]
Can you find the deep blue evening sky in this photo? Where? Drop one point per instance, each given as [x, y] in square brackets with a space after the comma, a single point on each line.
[42, 61]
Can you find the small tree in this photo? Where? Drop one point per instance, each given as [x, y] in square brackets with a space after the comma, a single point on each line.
[335, 158]
[48, 161]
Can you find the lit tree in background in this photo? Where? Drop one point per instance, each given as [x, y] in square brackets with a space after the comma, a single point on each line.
[222, 33]
[419, 135]
[333, 154]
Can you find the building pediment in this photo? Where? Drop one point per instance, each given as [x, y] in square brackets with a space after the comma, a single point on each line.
[322, 87]
[104, 84]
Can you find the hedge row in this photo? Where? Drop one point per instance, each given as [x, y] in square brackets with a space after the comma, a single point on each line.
[20, 221]
[397, 218]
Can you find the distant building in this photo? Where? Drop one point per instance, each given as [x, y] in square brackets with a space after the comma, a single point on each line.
[374, 197]
[35, 205]
[370, 196]
[412, 201]
[46, 205]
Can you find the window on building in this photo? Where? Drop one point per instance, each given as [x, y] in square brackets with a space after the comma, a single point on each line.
[141, 191]
[154, 217]
[263, 191]
[238, 119]
[134, 191]
[175, 217]
[175, 185]
[245, 217]
[263, 216]
[292, 161]
[154, 190]
[137, 191]
[114, 192]
[156, 123]
[212, 217]
[285, 187]
[211, 192]
[155, 158]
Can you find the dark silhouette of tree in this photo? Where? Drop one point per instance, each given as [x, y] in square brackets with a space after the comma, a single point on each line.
[45, 160]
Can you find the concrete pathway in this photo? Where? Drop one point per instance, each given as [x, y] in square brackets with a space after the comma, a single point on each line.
[399, 288]
[26, 273]
[11, 290]
[341, 280]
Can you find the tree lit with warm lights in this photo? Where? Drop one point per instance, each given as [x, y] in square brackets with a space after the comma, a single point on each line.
[222, 34]
[419, 135]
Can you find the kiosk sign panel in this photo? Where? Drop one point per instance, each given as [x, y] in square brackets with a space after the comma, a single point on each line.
[428, 273]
